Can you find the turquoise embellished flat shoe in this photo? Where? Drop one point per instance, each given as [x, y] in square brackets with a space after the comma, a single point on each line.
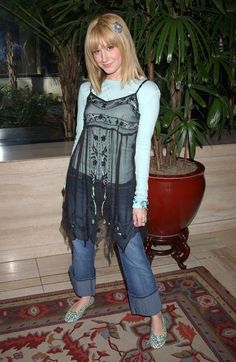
[73, 316]
[157, 342]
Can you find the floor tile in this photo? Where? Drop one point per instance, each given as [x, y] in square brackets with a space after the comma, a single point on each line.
[19, 284]
[18, 270]
[20, 292]
[56, 287]
[226, 278]
[54, 279]
[227, 257]
[57, 264]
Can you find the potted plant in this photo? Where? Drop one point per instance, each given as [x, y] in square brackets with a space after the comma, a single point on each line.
[188, 46]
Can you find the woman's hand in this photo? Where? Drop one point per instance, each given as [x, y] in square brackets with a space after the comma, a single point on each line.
[139, 216]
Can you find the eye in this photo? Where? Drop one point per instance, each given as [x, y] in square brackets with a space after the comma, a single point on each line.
[96, 51]
[110, 47]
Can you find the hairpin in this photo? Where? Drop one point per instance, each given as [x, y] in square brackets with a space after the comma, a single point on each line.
[117, 27]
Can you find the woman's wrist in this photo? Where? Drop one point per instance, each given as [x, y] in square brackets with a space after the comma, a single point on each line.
[139, 203]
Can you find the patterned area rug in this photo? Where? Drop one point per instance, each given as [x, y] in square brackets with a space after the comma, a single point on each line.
[200, 314]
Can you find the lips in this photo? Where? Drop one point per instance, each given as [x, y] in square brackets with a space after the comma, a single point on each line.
[107, 65]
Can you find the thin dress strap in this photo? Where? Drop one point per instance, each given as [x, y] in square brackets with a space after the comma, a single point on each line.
[141, 85]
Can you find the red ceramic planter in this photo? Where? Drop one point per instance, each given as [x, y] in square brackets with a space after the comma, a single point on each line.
[173, 204]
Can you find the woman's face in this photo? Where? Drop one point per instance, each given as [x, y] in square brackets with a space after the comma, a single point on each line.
[108, 58]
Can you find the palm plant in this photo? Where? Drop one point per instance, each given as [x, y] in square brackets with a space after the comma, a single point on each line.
[72, 17]
[62, 25]
[8, 49]
[185, 48]
[10, 59]
[186, 45]
[44, 19]
[189, 52]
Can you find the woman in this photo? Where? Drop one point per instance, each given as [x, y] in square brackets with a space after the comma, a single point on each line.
[108, 172]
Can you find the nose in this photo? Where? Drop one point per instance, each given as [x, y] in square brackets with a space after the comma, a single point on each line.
[104, 56]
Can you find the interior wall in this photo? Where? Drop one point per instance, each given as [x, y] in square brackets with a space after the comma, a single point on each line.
[31, 200]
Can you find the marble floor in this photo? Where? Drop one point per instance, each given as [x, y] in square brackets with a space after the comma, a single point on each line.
[216, 251]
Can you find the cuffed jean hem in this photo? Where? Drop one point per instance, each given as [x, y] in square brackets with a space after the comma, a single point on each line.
[82, 287]
[145, 306]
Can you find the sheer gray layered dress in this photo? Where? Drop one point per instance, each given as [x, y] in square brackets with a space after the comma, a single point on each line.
[100, 184]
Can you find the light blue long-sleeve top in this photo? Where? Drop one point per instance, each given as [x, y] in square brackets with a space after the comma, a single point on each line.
[149, 102]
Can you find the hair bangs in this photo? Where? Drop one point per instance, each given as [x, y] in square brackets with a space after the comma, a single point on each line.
[101, 34]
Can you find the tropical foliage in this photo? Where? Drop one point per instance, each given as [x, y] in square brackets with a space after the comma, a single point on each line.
[44, 19]
[22, 108]
[187, 46]
[62, 25]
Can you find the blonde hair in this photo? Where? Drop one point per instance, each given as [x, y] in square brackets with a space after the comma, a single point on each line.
[100, 30]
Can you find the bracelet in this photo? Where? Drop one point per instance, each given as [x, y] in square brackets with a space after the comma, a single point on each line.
[138, 204]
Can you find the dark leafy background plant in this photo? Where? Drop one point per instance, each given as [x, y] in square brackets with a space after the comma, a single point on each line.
[192, 62]
[22, 108]
[62, 25]
[186, 46]
[43, 18]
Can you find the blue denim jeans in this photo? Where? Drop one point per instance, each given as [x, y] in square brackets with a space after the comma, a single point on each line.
[142, 289]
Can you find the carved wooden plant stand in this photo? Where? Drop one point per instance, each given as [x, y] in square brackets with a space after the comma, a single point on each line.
[177, 247]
